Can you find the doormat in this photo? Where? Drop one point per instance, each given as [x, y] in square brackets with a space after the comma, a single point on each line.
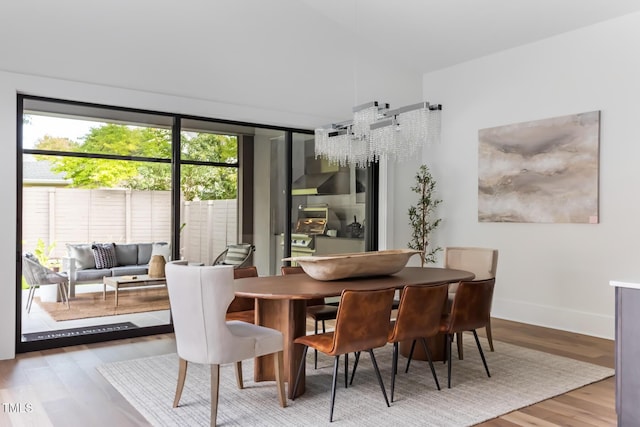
[85, 330]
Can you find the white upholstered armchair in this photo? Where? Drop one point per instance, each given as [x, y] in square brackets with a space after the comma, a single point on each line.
[199, 298]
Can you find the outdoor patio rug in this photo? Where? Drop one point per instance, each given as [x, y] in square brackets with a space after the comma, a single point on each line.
[519, 377]
[86, 330]
[91, 304]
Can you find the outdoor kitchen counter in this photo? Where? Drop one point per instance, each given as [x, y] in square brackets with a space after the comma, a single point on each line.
[326, 245]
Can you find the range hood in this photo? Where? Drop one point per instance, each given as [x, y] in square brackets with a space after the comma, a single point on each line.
[321, 183]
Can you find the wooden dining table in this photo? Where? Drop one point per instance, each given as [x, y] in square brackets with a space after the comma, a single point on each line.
[281, 303]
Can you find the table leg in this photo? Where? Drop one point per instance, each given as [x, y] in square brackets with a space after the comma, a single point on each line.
[437, 347]
[288, 317]
[116, 294]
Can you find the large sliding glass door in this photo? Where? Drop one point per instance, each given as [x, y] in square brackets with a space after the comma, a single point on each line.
[314, 207]
[95, 202]
[329, 211]
[103, 189]
[209, 176]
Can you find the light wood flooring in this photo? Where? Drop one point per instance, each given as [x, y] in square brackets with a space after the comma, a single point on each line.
[61, 387]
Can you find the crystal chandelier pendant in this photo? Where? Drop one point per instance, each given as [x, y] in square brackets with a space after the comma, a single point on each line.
[377, 133]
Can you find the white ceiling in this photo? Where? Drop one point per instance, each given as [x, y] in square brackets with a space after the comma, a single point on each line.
[433, 34]
[424, 35]
[296, 62]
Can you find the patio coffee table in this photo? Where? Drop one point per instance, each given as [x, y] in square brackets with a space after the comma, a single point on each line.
[119, 282]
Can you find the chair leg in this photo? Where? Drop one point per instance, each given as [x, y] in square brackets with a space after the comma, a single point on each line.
[333, 385]
[459, 345]
[239, 380]
[413, 346]
[449, 339]
[355, 365]
[315, 352]
[279, 366]
[346, 370]
[375, 366]
[60, 292]
[215, 389]
[182, 375]
[300, 371]
[489, 336]
[484, 362]
[32, 291]
[433, 371]
[65, 286]
[446, 357]
[394, 368]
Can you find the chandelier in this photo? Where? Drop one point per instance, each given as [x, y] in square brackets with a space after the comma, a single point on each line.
[376, 132]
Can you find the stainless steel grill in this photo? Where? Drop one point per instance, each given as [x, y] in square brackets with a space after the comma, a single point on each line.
[312, 221]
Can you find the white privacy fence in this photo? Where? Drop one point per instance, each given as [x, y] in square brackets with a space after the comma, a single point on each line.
[69, 215]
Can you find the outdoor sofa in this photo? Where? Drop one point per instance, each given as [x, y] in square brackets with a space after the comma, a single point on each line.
[90, 262]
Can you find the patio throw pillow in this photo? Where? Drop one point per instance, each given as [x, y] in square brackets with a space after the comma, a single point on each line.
[160, 248]
[83, 255]
[105, 255]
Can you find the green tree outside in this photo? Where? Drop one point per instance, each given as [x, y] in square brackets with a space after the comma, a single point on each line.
[197, 182]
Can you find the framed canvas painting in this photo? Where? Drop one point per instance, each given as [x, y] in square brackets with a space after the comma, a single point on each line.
[543, 171]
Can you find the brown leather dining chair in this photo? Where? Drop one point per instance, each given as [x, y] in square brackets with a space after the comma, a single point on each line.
[316, 309]
[418, 318]
[483, 262]
[471, 310]
[362, 324]
[241, 308]
[419, 315]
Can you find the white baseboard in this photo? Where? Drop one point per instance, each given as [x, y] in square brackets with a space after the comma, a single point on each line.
[593, 324]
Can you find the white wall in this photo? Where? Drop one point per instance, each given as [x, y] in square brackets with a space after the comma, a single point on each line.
[395, 86]
[553, 275]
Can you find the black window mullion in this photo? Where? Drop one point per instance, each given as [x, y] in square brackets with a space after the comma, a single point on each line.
[175, 187]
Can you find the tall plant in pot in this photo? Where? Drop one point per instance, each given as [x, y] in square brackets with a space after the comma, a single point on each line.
[421, 216]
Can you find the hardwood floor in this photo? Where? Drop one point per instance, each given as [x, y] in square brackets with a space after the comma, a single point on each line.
[62, 387]
[592, 405]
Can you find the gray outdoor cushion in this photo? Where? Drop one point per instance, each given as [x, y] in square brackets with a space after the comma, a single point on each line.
[95, 275]
[236, 254]
[83, 255]
[127, 254]
[144, 253]
[129, 270]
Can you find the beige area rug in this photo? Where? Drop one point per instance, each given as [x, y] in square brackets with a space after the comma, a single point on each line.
[91, 304]
[519, 377]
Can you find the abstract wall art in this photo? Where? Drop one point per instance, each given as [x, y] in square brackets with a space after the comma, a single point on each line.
[544, 171]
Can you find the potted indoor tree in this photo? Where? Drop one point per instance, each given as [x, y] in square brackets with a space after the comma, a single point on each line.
[421, 216]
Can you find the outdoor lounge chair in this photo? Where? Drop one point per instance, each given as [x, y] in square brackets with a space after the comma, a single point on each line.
[38, 275]
[236, 255]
